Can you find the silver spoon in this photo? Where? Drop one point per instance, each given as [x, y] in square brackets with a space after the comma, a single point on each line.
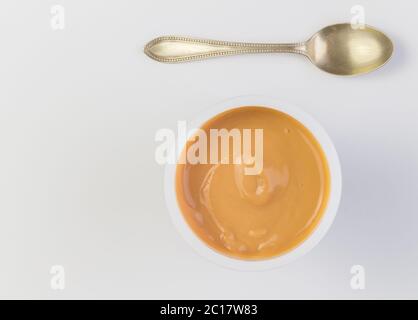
[338, 49]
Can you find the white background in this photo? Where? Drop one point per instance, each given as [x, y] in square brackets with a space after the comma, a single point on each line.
[79, 186]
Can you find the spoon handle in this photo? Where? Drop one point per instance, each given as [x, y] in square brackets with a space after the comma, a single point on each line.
[173, 49]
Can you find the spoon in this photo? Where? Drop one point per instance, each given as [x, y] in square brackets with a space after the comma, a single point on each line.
[339, 49]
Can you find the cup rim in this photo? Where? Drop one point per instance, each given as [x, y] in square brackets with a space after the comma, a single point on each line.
[320, 230]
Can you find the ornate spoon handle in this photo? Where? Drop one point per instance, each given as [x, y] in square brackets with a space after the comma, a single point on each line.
[173, 49]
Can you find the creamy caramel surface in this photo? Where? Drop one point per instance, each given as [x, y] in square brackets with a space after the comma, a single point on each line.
[264, 215]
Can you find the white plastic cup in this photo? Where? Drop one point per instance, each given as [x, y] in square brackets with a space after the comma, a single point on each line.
[320, 230]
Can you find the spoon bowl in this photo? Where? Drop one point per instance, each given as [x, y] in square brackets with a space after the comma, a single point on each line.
[341, 49]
